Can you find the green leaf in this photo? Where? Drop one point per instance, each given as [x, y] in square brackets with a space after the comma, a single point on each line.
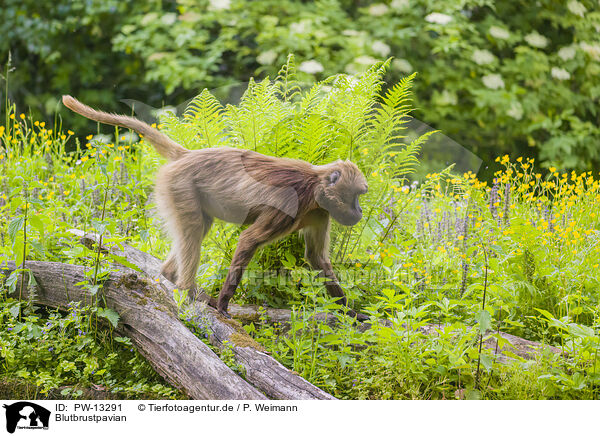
[110, 315]
[14, 309]
[14, 226]
[484, 319]
[37, 223]
[39, 248]
[99, 226]
[473, 394]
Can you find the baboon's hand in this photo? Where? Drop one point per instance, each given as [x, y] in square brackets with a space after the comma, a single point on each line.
[224, 313]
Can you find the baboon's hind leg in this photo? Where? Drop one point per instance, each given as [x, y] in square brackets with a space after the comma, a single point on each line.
[169, 267]
[182, 262]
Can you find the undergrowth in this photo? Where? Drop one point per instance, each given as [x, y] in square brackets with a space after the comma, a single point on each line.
[517, 255]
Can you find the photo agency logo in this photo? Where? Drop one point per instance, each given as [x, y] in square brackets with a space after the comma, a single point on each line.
[26, 416]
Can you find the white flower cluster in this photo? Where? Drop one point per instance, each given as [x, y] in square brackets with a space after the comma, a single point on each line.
[402, 65]
[483, 57]
[359, 64]
[378, 9]
[534, 39]
[437, 18]
[560, 73]
[576, 8]
[219, 5]
[399, 4]
[301, 26]
[499, 32]
[169, 19]
[515, 110]
[381, 48]
[104, 139]
[311, 67]
[446, 98]
[365, 60]
[593, 50]
[267, 57]
[165, 111]
[567, 53]
[493, 81]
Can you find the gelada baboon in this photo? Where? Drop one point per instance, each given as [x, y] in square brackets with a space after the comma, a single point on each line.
[273, 196]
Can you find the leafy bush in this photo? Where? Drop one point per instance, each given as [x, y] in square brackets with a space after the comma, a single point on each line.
[498, 78]
[517, 78]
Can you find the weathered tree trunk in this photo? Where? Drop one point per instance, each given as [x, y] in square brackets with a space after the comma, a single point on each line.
[150, 320]
[262, 371]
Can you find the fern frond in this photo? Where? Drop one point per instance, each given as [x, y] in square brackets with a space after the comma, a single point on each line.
[406, 159]
[287, 85]
[253, 119]
[181, 132]
[206, 117]
[313, 136]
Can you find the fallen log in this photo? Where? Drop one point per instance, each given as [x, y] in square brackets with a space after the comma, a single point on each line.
[151, 321]
[261, 370]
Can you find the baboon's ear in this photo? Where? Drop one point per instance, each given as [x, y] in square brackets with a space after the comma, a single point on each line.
[333, 177]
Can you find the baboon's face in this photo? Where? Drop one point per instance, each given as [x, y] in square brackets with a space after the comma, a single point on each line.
[340, 191]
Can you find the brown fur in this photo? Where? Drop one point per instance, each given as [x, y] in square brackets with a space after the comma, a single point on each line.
[273, 196]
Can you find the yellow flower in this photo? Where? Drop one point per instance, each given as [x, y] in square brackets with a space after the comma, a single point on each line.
[42, 124]
[70, 132]
[12, 116]
[118, 158]
[22, 116]
[89, 137]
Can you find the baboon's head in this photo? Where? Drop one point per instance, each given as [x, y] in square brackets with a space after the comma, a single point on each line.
[340, 186]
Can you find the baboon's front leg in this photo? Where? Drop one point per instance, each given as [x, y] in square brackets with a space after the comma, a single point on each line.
[259, 233]
[316, 237]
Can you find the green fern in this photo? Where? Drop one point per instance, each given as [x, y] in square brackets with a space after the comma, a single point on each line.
[286, 83]
[342, 117]
[258, 113]
[182, 132]
[205, 115]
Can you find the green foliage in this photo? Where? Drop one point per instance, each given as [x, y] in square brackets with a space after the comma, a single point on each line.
[58, 350]
[420, 259]
[65, 47]
[496, 77]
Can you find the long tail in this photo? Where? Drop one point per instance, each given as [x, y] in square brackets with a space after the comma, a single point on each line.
[163, 144]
